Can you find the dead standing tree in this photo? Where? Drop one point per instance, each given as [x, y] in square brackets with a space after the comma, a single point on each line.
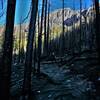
[63, 32]
[97, 26]
[48, 29]
[80, 34]
[45, 27]
[5, 66]
[29, 52]
[40, 38]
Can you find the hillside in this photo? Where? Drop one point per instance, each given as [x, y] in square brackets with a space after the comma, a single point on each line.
[56, 18]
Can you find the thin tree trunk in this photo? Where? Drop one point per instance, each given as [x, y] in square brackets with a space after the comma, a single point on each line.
[80, 34]
[22, 49]
[73, 32]
[6, 63]
[63, 38]
[85, 30]
[19, 56]
[40, 38]
[48, 29]
[35, 56]
[45, 27]
[29, 52]
[97, 26]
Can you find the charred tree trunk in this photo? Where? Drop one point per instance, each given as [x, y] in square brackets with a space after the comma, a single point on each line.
[5, 74]
[63, 38]
[97, 26]
[19, 56]
[22, 48]
[40, 38]
[45, 27]
[80, 34]
[35, 57]
[47, 44]
[29, 52]
[73, 32]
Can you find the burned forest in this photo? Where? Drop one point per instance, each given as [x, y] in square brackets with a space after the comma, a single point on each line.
[49, 49]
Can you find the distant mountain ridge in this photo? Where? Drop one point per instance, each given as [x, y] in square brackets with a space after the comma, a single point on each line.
[56, 18]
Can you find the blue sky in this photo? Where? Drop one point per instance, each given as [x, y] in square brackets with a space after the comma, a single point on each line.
[23, 7]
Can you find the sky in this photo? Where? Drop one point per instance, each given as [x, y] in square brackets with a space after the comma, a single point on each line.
[23, 7]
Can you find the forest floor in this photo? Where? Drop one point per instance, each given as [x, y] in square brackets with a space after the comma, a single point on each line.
[58, 82]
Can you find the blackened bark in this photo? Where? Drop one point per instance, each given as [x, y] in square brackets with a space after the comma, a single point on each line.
[35, 57]
[5, 74]
[80, 40]
[40, 38]
[47, 44]
[45, 27]
[80, 34]
[22, 48]
[97, 26]
[63, 38]
[19, 56]
[29, 52]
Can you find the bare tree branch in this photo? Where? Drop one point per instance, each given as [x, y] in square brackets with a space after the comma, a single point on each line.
[2, 4]
[27, 15]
